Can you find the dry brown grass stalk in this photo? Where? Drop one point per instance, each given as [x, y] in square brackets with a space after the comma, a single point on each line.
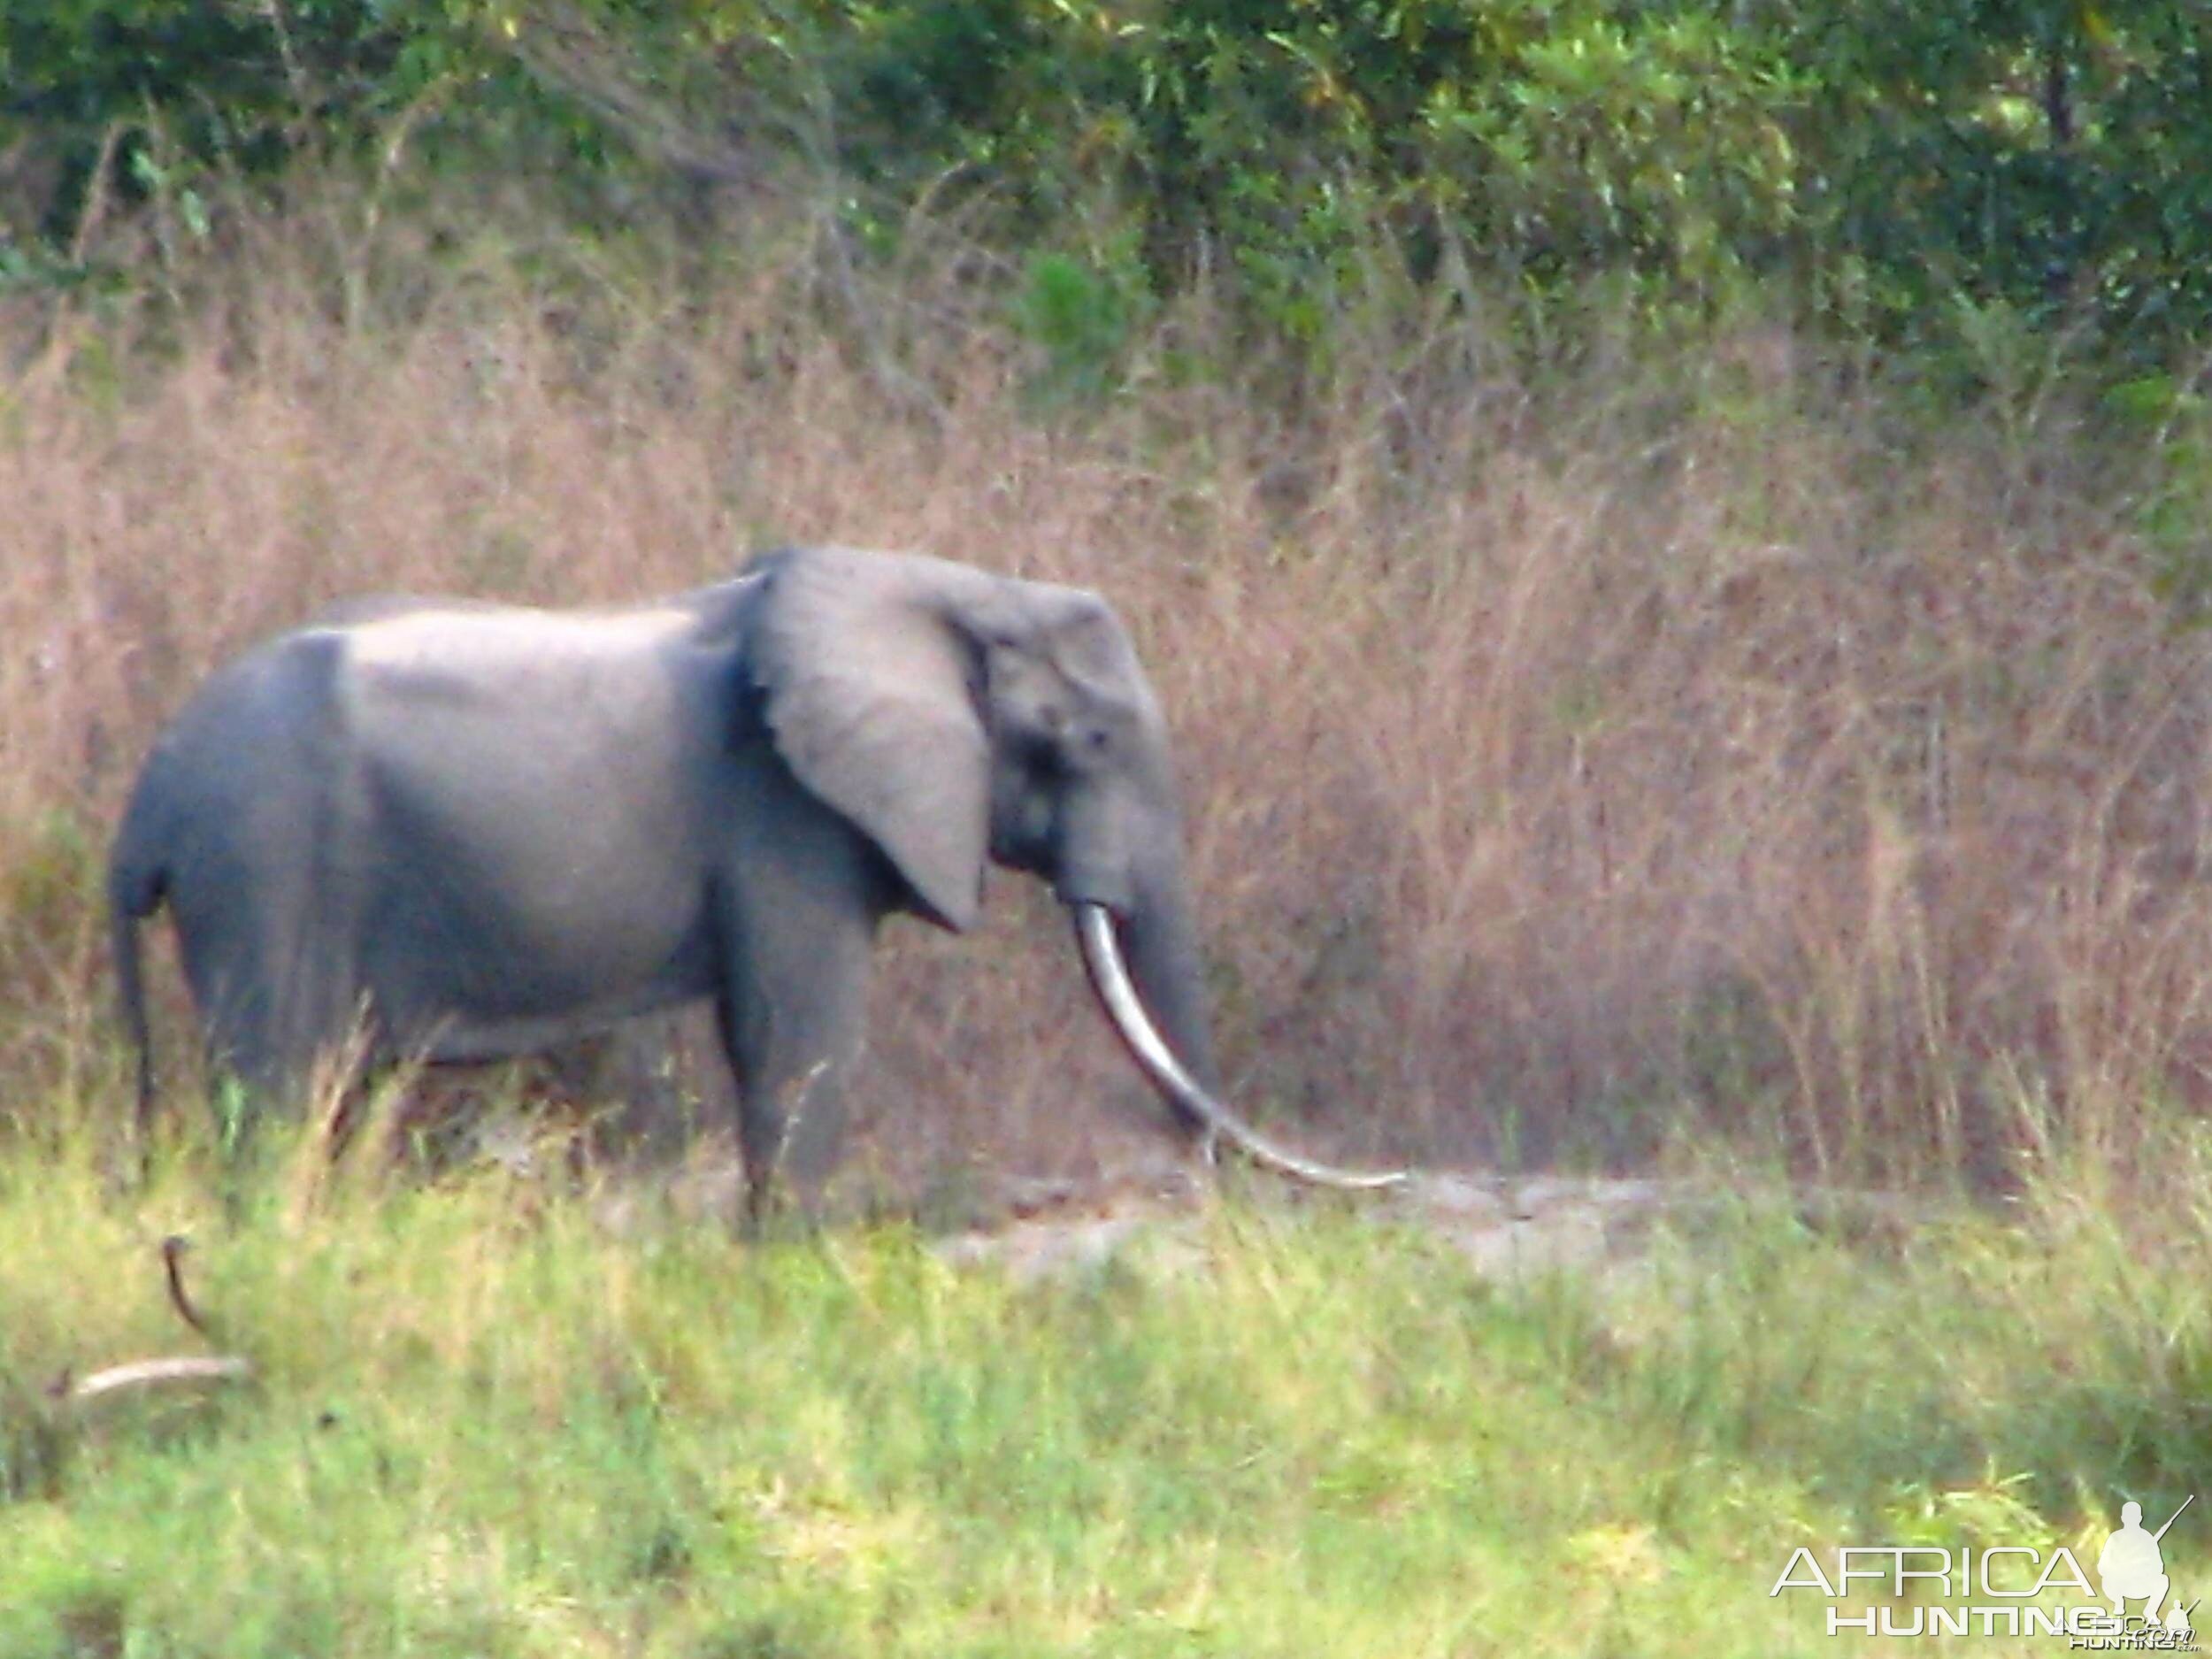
[1557, 780]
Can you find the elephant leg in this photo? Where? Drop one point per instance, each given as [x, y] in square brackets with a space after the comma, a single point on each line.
[251, 1042]
[280, 1047]
[793, 1014]
[264, 915]
[242, 1055]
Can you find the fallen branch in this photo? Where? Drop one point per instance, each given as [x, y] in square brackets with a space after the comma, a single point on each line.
[172, 1249]
[195, 1368]
[143, 1372]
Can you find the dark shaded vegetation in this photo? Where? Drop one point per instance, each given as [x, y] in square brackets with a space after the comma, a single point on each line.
[1916, 173]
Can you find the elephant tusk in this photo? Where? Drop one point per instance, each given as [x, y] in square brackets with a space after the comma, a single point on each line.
[1110, 977]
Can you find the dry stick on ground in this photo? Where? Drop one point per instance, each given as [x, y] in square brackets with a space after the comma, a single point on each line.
[182, 1368]
[172, 1249]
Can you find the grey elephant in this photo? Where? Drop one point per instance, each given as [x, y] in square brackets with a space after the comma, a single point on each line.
[475, 830]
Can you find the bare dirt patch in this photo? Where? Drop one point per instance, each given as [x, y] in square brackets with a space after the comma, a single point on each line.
[1513, 1229]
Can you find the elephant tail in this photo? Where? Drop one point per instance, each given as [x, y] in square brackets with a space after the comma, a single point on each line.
[136, 887]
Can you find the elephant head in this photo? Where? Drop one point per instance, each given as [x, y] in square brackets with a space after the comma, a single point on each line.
[955, 716]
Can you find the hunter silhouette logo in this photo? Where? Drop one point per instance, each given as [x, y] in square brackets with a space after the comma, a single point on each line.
[2130, 1565]
[2007, 1590]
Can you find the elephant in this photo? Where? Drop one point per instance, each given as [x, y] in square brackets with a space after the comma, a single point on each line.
[465, 830]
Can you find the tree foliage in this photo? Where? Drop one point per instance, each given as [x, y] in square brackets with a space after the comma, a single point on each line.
[1879, 162]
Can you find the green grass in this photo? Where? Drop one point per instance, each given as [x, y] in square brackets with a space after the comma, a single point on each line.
[482, 1426]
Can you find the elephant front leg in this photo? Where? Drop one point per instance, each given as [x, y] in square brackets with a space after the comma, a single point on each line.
[794, 1022]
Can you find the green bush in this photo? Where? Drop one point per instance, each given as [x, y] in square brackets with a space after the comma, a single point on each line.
[1866, 162]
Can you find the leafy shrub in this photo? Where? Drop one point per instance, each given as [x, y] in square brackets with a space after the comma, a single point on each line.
[1865, 160]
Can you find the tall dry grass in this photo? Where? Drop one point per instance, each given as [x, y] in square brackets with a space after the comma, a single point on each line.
[1574, 758]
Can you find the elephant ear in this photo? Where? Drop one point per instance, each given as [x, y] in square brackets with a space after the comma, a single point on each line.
[871, 694]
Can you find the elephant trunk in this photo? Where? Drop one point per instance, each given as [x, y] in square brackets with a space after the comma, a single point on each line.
[1168, 980]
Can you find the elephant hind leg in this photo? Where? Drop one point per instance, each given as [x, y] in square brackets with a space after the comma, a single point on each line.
[275, 986]
[281, 1038]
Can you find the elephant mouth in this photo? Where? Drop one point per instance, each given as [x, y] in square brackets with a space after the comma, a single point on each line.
[1102, 959]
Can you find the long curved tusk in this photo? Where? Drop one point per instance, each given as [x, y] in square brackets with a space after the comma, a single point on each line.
[1110, 977]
